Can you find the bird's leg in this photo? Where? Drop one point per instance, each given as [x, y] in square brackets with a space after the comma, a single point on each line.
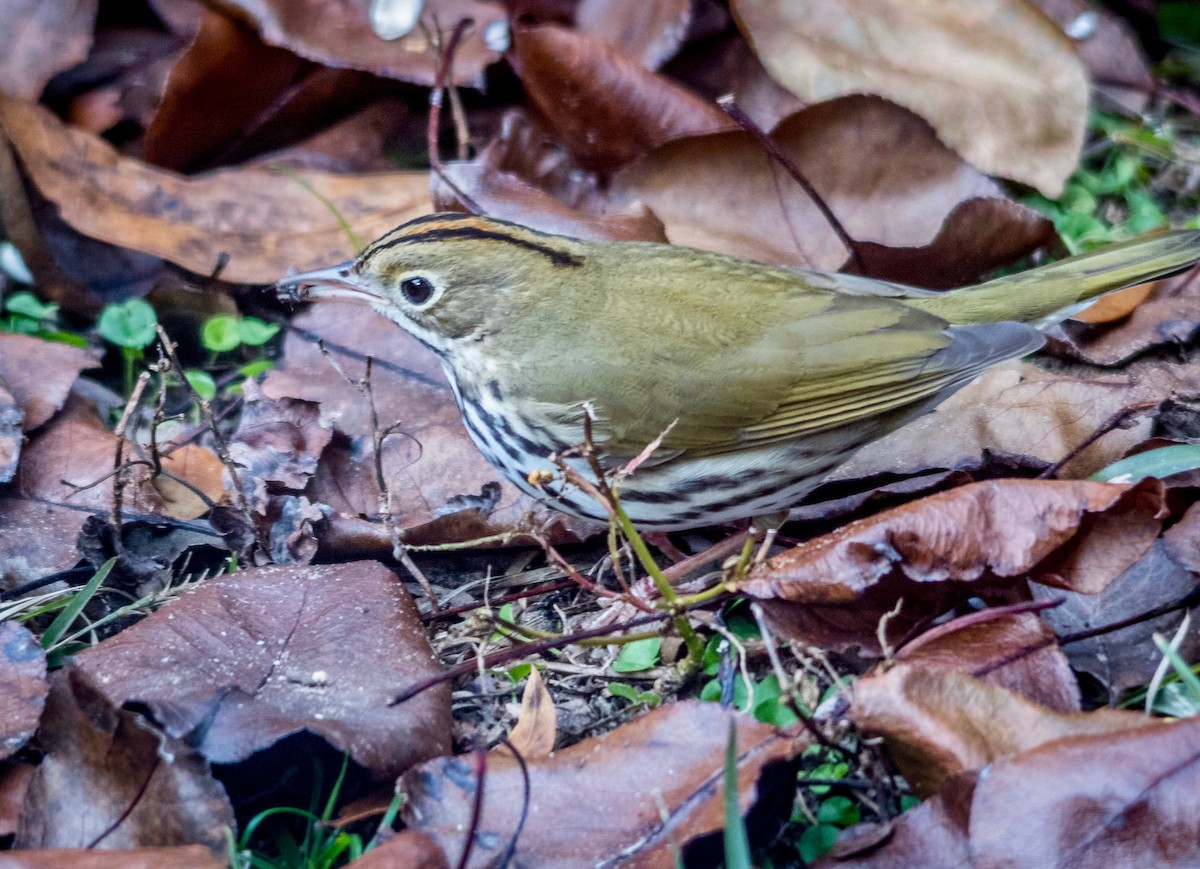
[765, 528]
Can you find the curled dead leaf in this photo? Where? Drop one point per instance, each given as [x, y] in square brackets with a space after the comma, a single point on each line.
[999, 81]
[938, 550]
[267, 222]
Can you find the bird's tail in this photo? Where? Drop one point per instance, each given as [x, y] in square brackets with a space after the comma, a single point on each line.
[1047, 294]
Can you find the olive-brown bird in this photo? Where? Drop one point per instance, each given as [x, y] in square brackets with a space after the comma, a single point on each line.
[764, 377]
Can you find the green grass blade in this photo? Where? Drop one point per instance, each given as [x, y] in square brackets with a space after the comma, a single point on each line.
[72, 610]
[1159, 463]
[737, 846]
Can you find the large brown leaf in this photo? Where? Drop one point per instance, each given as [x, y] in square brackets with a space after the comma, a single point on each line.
[65, 477]
[880, 168]
[267, 222]
[999, 81]
[939, 550]
[667, 762]
[249, 658]
[1128, 657]
[1125, 798]
[939, 722]
[110, 777]
[650, 30]
[339, 34]
[603, 105]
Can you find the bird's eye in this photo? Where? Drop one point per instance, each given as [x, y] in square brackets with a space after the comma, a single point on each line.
[417, 290]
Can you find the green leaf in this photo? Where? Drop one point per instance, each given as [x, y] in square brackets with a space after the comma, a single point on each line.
[737, 845]
[255, 368]
[638, 655]
[1144, 214]
[1077, 198]
[816, 841]
[129, 324]
[202, 382]
[519, 672]
[28, 305]
[1163, 462]
[220, 333]
[628, 692]
[839, 811]
[507, 614]
[767, 706]
[255, 332]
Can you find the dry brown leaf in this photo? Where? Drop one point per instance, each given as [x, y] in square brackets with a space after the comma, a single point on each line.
[216, 89]
[938, 722]
[40, 374]
[266, 221]
[198, 467]
[523, 176]
[537, 725]
[39, 40]
[1017, 652]
[23, 686]
[65, 476]
[1126, 798]
[183, 857]
[997, 79]
[339, 34]
[14, 783]
[879, 167]
[1110, 50]
[1128, 657]
[603, 105]
[108, 772]
[650, 30]
[669, 760]
[939, 550]
[1116, 306]
[1116, 799]
[252, 657]
[507, 196]
[408, 849]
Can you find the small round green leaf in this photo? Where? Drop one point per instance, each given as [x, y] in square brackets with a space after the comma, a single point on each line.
[28, 305]
[255, 332]
[202, 382]
[638, 655]
[220, 333]
[129, 324]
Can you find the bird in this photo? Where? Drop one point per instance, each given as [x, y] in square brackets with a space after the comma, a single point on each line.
[750, 381]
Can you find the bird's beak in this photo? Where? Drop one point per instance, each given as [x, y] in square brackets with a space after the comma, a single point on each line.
[335, 282]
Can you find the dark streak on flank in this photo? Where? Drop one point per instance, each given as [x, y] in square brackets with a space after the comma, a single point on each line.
[558, 257]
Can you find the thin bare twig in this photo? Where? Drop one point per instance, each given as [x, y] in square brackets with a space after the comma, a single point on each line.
[1118, 420]
[445, 65]
[776, 153]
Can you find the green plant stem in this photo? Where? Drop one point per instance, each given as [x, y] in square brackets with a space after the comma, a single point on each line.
[130, 356]
[693, 641]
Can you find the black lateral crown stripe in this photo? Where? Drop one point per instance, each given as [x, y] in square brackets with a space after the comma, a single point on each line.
[558, 257]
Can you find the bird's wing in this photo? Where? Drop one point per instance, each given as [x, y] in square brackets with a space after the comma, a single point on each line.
[822, 361]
